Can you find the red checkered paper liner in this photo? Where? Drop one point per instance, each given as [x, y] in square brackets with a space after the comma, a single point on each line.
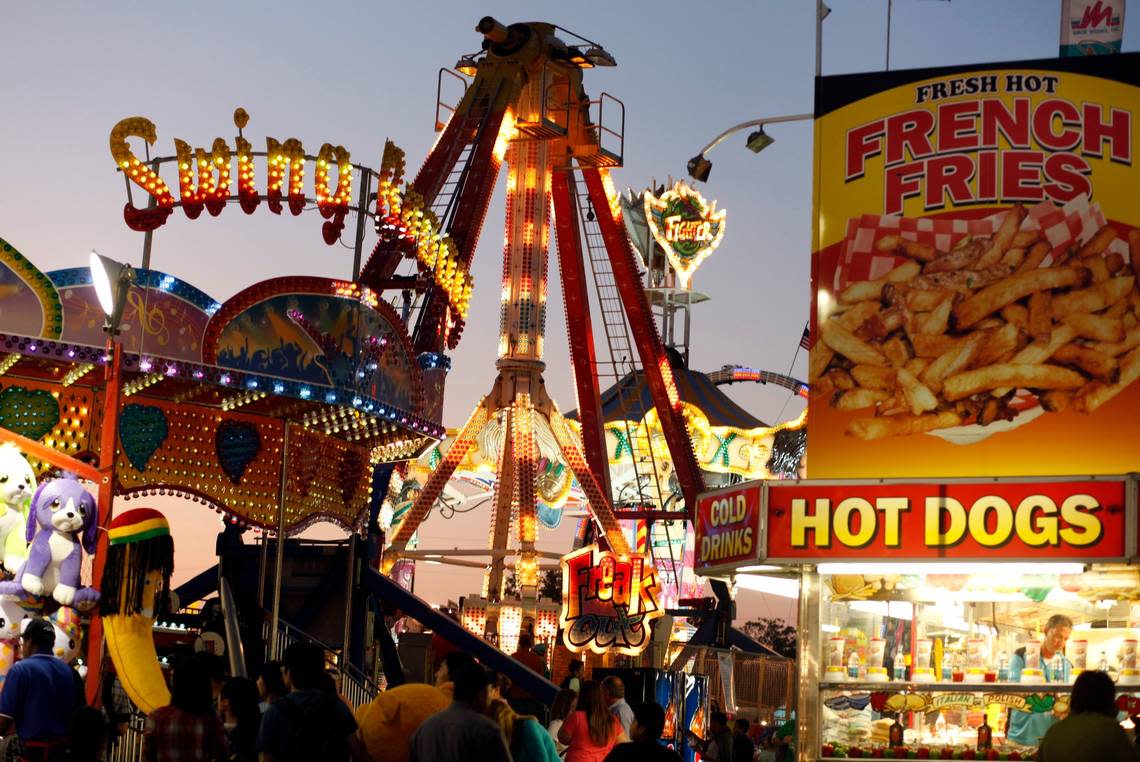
[1064, 226]
[1072, 224]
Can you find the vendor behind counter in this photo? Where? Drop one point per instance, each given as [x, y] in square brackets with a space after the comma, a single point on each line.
[1026, 728]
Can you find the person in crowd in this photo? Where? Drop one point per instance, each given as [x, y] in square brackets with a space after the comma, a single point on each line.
[784, 741]
[644, 732]
[743, 750]
[614, 689]
[214, 666]
[528, 656]
[718, 746]
[563, 706]
[1026, 727]
[328, 683]
[540, 650]
[270, 684]
[389, 720]
[525, 736]
[309, 723]
[241, 718]
[39, 695]
[86, 735]
[591, 731]
[1091, 730]
[116, 706]
[573, 679]
[449, 666]
[187, 730]
[462, 732]
[498, 685]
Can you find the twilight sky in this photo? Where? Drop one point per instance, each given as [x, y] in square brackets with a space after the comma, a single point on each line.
[357, 73]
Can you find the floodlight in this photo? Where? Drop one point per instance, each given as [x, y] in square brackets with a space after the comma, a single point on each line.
[467, 65]
[699, 168]
[112, 281]
[599, 56]
[759, 140]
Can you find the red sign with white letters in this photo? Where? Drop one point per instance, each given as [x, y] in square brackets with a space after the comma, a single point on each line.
[988, 521]
[727, 527]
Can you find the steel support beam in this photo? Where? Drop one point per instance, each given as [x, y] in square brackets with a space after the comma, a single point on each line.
[580, 328]
[658, 373]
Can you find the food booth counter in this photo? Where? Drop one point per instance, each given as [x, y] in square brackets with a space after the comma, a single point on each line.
[923, 604]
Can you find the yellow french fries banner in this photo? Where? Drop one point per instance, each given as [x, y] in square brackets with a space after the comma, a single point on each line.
[976, 310]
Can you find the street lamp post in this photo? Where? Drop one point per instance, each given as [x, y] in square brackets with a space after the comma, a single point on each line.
[112, 281]
[699, 166]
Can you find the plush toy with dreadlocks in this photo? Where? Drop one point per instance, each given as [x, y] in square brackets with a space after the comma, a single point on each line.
[140, 560]
[136, 588]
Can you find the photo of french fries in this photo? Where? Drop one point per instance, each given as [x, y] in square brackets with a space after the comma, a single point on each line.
[982, 333]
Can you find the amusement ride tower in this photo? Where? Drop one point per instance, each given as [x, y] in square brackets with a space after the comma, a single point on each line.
[527, 105]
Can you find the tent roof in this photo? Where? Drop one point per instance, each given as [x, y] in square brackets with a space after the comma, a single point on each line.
[629, 399]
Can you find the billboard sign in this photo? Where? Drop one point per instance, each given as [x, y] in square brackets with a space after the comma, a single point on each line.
[975, 303]
[1091, 27]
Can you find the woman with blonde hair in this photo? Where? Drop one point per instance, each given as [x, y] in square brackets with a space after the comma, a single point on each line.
[591, 730]
[527, 739]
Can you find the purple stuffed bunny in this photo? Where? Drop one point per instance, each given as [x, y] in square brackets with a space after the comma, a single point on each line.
[61, 512]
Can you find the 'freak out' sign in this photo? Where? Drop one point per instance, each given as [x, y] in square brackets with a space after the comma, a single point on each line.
[608, 601]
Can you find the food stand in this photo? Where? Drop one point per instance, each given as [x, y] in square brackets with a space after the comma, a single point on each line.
[975, 347]
[911, 593]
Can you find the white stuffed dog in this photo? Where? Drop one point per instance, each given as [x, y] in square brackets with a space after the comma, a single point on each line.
[17, 485]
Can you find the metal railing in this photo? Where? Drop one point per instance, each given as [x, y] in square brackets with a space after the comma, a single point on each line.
[764, 686]
[355, 686]
[129, 746]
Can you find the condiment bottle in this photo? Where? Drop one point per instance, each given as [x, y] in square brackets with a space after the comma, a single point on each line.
[1003, 668]
[985, 735]
[853, 666]
[1057, 668]
[896, 733]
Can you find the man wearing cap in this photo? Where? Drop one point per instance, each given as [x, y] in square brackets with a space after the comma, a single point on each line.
[39, 695]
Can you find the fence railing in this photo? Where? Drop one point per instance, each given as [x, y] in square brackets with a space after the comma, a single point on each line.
[764, 686]
[129, 746]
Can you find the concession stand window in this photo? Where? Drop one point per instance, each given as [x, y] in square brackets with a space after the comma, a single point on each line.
[930, 606]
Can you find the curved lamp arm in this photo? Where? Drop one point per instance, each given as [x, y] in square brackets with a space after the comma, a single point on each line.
[753, 123]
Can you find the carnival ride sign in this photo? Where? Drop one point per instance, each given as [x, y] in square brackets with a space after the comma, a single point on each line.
[687, 227]
[985, 521]
[608, 601]
[727, 527]
[974, 275]
[205, 177]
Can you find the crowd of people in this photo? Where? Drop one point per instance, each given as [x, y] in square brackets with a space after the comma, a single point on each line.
[292, 712]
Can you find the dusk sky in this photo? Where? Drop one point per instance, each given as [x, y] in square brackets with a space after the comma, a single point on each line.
[357, 73]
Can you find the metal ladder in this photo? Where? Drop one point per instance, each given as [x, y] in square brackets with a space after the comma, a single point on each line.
[621, 358]
[475, 123]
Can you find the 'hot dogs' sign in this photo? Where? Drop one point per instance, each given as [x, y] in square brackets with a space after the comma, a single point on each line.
[962, 521]
[727, 527]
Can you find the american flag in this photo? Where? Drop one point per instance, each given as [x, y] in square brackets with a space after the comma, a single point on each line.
[805, 340]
